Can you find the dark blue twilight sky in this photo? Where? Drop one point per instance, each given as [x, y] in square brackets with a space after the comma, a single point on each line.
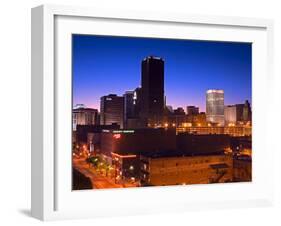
[106, 64]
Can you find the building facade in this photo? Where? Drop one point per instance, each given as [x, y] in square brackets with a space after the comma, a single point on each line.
[247, 111]
[202, 144]
[215, 106]
[112, 110]
[242, 169]
[233, 114]
[192, 110]
[205, 169]
[121, 148]
[229, 130]
[137, 141]
[197, 119]
[129, 106]
[84, 116]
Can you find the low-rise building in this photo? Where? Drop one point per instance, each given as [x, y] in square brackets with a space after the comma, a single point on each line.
[84, 116]
[175, 170]
[90, 135]
[233, 114]
[192, 110]
[122, 148]
[197, 119]
[206, 144]
[137, 141]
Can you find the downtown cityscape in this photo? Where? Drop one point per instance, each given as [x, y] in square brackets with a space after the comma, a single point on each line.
[142, 136]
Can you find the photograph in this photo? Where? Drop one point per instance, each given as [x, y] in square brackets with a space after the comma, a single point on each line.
[152, 111]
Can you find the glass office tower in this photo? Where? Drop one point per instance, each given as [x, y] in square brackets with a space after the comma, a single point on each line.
[215, 106]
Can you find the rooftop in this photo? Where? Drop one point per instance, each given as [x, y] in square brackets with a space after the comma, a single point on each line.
[153, 57]
[81, 109]
[215, 91]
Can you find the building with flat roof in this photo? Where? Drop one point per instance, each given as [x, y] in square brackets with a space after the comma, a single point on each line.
[122, 148]
[178, 170]
[112, 110]
[82, 115]
[233, 114]
[215, 106]
[137, 141]
[152, 90]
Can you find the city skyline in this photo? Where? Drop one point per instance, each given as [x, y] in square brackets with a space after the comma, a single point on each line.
[136, 140]
[191, 68]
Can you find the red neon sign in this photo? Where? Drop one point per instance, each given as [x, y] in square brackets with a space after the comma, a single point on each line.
[117, 136]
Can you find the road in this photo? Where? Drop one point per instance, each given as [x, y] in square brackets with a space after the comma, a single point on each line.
[98, 181]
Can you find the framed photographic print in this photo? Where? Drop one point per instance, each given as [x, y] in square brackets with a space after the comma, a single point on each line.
[136, 112]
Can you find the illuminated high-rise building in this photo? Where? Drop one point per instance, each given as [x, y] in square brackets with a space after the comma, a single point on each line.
[215, 106]
[152, 90]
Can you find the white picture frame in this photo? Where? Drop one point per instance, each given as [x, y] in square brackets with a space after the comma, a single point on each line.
[52, 197]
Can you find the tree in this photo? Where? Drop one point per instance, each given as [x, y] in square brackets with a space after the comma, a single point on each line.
[94, 160]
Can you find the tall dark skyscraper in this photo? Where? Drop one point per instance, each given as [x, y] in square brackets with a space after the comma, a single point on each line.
[112, 110]
[152, 90]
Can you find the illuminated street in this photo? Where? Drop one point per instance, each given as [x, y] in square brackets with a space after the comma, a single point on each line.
[98, 181]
